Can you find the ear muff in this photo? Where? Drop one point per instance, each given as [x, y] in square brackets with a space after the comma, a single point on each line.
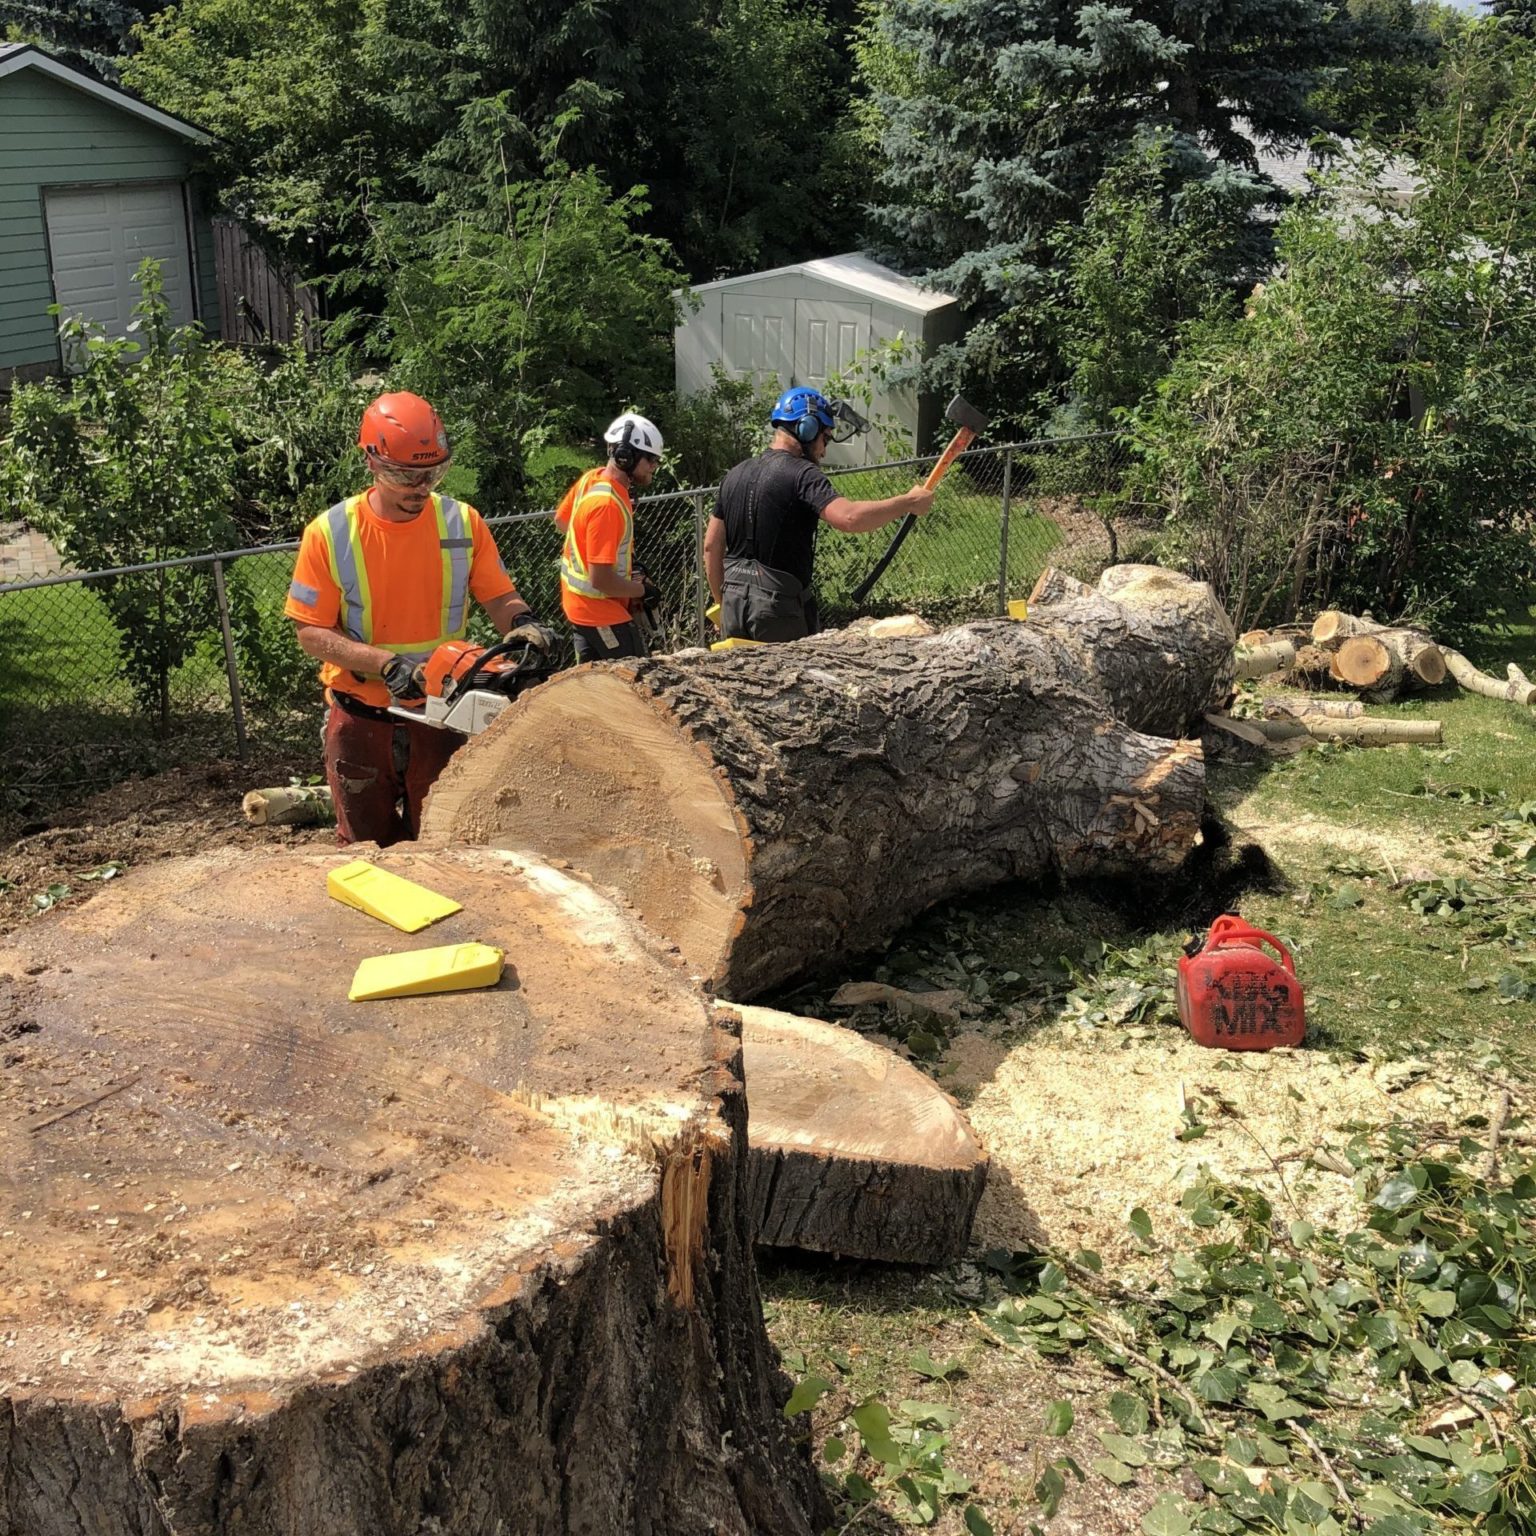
[808, 428]
[624, 453]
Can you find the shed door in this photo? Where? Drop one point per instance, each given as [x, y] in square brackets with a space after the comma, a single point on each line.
[828, 336]
[757, 337]
[97, 236]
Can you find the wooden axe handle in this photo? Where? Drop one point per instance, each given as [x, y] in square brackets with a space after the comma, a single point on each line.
[957, 445]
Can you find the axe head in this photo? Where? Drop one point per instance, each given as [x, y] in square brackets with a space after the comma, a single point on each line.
[963, 414]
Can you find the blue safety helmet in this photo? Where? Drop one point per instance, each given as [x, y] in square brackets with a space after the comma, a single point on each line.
[807, 413]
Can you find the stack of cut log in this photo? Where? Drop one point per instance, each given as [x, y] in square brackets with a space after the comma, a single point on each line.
[1378, 662]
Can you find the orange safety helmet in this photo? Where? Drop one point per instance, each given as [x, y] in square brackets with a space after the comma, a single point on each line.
[401, 431]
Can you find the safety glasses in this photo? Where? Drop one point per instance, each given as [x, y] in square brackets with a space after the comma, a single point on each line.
[405, 479]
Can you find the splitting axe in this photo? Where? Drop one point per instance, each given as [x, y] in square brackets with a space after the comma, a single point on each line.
[970, 422]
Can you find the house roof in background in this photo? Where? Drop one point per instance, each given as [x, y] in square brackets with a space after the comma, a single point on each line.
[18, 56]
[854, 271]
[1289, 168]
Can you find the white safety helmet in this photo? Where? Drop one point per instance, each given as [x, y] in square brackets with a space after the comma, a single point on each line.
[628, 436]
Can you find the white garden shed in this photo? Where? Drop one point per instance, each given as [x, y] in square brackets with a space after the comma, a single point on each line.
[803, 323]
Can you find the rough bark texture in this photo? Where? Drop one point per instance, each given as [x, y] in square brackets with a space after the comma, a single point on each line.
[775, 809]
[853, 1150]
[463, 1264]
[1156, 647]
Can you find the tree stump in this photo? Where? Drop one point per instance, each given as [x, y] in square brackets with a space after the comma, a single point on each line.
[467, 1263]
[854, 1151]
[776, 809]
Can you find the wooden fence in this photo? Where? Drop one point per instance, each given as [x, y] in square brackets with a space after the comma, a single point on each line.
[260, 304]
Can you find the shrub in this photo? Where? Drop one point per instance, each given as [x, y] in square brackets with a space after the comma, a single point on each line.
[131, 462]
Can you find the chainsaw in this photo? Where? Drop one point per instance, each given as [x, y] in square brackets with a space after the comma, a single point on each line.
[468, 685]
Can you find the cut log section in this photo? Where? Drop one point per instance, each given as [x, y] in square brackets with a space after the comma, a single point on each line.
[1515, 691]
[1377, 658]
[1300, 707]
[1261, 660]
[775, 809]
[297, 805]
[853, 1150]
[465, 1263]
[1360, 733]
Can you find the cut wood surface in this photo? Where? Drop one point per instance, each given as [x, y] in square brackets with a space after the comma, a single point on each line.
[1515, 691]
[1377, 657]
[853, 1150]
[774, 809]
[468, 1262]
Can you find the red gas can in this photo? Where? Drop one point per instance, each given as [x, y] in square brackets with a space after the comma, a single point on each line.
[1232, 994]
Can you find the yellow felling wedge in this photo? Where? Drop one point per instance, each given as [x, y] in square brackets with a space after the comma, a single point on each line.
[449, 968]
[399, 902]
[1018, 609]
[733, 642]
[712, 613]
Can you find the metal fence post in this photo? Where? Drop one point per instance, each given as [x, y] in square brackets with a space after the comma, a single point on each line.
[236, 703]
[699, 587]
[1002, 540]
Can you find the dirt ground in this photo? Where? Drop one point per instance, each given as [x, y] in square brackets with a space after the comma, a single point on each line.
[185, 811]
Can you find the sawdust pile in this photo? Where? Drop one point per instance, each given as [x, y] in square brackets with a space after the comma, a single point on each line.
[1082, 1131]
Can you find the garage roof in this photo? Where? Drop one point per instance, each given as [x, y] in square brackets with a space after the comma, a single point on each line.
[19, 56]
[853, 271]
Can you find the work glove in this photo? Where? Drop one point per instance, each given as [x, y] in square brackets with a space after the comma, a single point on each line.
[540, 636]
[403, 679]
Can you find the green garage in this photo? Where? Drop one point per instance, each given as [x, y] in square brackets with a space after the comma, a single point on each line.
[92, 181]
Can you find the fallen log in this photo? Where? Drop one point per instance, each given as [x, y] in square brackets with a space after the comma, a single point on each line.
[295, 805]
[1360, 733]
[1282, 708]
[1467, 676]
[1376, 657]
[1516, 675]
[773, 810]
[1261, 660]
[853, 1150]
[470, 1262]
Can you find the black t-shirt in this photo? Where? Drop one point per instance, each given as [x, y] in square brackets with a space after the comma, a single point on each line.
[790, 492]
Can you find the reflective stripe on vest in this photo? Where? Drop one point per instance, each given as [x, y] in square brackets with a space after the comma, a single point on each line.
[573, 569]
[343, 538]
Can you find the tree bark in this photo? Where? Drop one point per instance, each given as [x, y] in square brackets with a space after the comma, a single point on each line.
[1301, 708]
[774, 810]
[1515, 691]
[1360, 733]
[295, 805]
[853, 1150]
[1375, 656]
[1261, 660]
[467, 1263]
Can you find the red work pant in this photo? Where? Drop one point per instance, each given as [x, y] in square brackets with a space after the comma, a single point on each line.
[373, 766]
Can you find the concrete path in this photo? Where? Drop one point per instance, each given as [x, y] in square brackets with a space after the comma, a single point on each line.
[26, 555]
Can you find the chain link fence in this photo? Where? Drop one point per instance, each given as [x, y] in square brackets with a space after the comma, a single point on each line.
[110, 674]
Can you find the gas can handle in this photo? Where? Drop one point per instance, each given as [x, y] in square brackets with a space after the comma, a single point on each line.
[1237, 931]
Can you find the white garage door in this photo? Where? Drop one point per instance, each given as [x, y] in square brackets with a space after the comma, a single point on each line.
[97, 236]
